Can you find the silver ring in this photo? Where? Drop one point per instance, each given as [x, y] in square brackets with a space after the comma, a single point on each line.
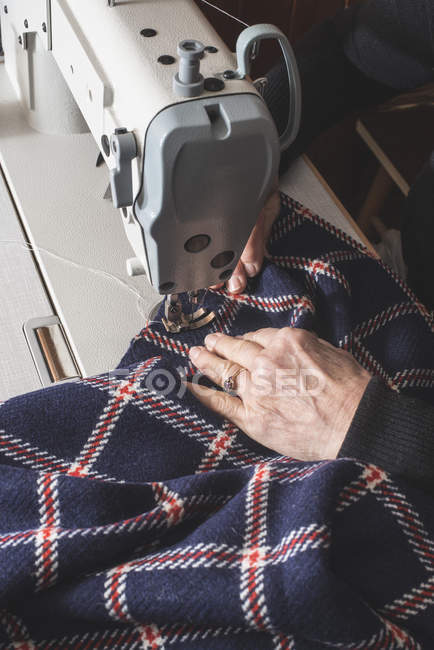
[229, 382]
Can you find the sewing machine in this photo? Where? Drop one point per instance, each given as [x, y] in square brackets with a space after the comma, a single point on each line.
[135, 107]
[191, 148]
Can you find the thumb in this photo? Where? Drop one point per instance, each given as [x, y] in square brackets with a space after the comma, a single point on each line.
[253, 253]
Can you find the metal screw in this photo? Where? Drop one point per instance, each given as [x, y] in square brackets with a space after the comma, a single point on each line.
[26, 23]
[44, 27]
[229, 74]
[5, 9]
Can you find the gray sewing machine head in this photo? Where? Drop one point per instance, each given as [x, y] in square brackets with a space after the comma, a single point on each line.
[190, 144]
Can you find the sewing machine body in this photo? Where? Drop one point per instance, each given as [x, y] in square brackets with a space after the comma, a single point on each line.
[184, 166]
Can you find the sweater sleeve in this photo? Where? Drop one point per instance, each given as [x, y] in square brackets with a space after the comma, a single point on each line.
[395, 432]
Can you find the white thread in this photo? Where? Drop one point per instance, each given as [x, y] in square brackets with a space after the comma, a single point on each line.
[226, 13]
[104, 274]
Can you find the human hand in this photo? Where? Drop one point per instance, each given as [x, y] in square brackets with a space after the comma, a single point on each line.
[250, 262]
[296, 393]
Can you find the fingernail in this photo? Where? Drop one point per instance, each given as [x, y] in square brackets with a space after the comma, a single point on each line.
[234, 284]
[251, 269]
[211, 340]
[194, 352]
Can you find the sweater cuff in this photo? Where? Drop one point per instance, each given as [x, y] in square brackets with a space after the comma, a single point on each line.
[394, 432]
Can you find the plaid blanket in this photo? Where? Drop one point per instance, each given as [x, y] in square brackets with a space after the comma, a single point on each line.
[131, 517]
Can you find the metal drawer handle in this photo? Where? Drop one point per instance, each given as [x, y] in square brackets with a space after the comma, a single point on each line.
[50, 350]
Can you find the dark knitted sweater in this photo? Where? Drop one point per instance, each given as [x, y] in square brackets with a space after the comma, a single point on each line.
[395, 432]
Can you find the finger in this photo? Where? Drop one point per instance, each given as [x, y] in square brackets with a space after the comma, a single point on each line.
[253, 253]
[238, 279]
[229, 407]
[263, 337]
[217, 286]
[218, 369]
[240, 351]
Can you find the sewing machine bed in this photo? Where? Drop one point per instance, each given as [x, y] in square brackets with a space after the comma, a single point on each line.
[133, 517]
[79, 243]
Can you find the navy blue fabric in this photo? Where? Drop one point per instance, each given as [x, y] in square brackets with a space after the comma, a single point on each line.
[132, 517]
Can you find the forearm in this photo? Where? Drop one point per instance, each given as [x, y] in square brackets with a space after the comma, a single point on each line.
[394, 432]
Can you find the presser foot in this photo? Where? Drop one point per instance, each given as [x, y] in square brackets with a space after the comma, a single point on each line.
[177, 320]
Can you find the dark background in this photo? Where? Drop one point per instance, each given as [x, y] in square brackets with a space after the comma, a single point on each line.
[339, 154]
